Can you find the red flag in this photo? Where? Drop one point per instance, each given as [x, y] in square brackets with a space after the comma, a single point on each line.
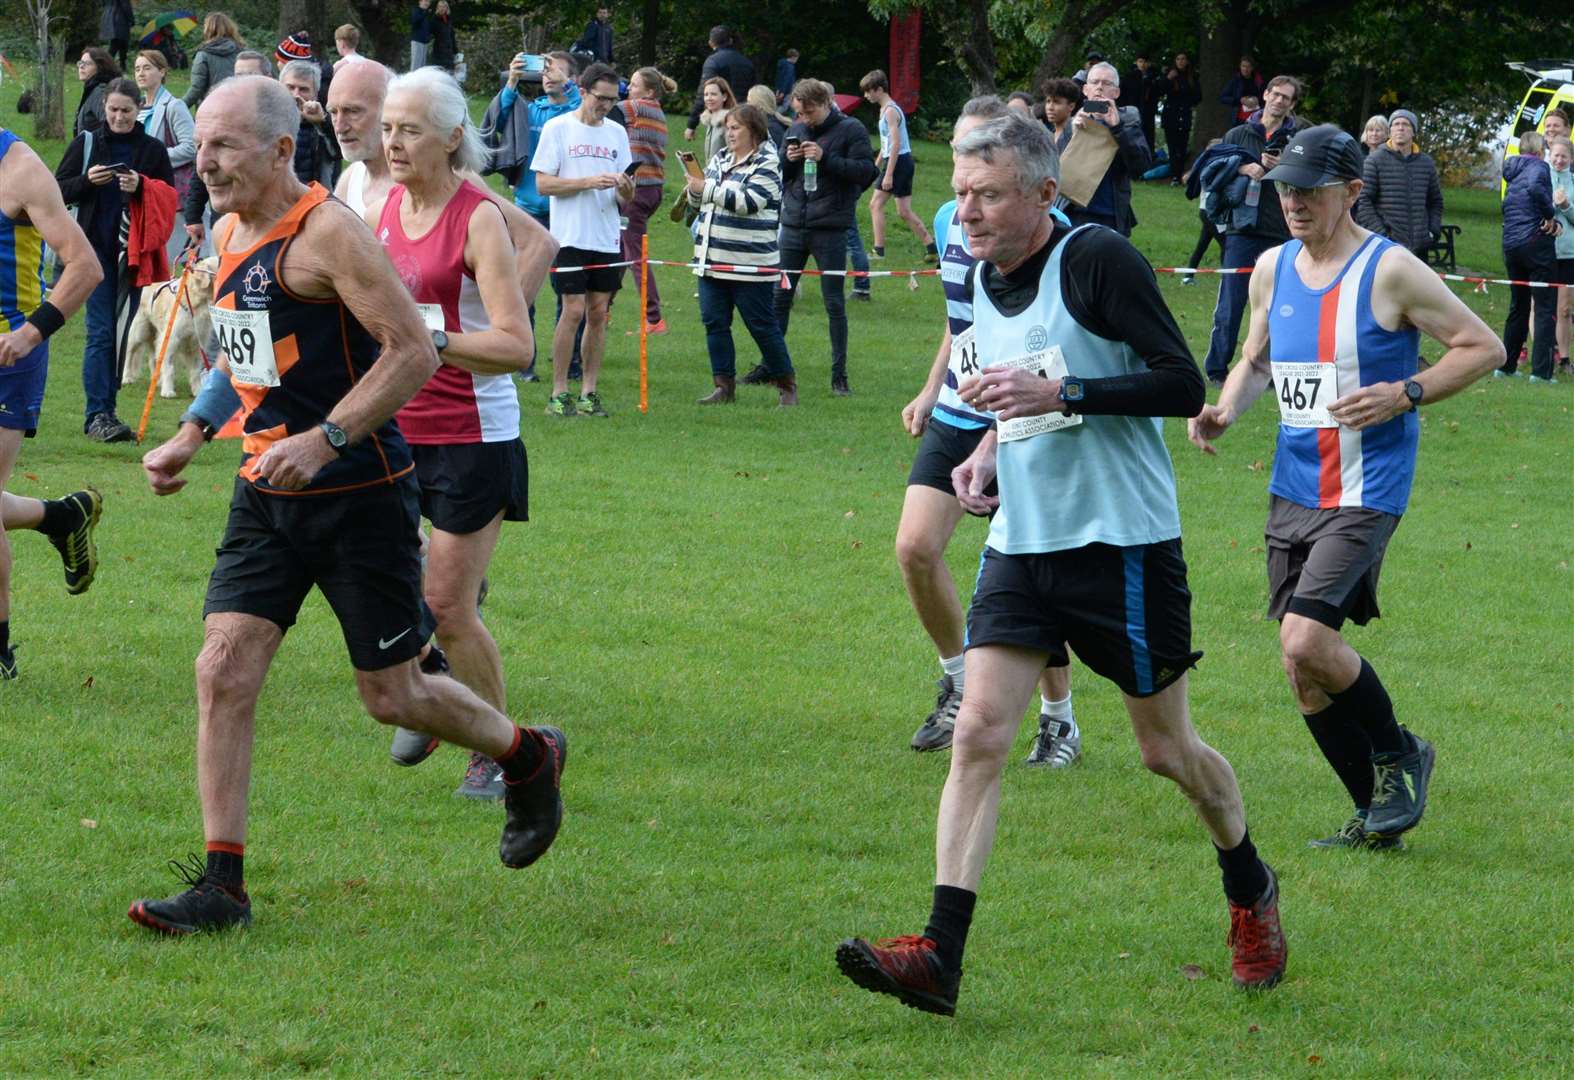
[905, 35]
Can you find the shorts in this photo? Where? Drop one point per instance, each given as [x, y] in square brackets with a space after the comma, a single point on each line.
[363, 550]
[22, 390]
[579, 282]
[1324, 564]
[1126, 611]
[944, 447]
[1566, 271]
[464, 485]
[901, 178]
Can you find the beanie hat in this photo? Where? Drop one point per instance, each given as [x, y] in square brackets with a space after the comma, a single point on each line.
[1405, 114]
[298, 46]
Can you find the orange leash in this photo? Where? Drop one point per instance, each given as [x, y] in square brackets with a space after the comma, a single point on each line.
[158, 363]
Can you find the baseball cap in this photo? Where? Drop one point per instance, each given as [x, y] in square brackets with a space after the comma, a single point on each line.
[1318, 157]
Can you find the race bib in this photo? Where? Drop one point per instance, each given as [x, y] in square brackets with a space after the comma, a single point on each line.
[1305, 391]
[964, 356]
[247, 340]
[1049, 364]
[432, 315]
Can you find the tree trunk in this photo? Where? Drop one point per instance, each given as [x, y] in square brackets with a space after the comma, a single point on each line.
[976, 47]
[380, 38]
[308, 15]
[48, 104]
[1223, 45]
[1075, 26]
[650, 27]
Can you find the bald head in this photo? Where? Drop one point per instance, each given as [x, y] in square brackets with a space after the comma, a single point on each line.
[355, 105]
[246, 130]
[257, 101]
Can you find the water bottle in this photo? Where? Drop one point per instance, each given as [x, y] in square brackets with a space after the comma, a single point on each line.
[1253, 192]
[811, 175]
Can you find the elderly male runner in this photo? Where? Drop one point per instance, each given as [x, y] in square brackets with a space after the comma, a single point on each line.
[32, 215]
[1337, 316]
[324, 345]
[1080, 357]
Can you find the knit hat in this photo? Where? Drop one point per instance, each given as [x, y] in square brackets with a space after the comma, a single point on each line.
[1405, 114]
[298, 46]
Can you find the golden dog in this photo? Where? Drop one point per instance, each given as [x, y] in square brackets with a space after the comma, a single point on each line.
[188, 337]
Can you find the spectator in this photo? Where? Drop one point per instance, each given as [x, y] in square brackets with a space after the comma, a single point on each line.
[97, 69]
[346, 40]
[717, 98]
[420, 33]
[786, 75]
[1243, 93]
[724, 62]
[314, 151]
[816, 214]
[107, 176]
[597, 38]
[1139, 89]
[1400, 195]
[165, 117]
[738, 199]
[1209, 234]
[1062, 97]
[1555, 123]
[762, 97]
[1181, 93]
[1024, 102]
[1374, 134]
[445, 47]
[646, 124]
[1560, 155]
[894, 167]
[1264, 135]
[1530, 228]
[215, 59]
[1111, 201]
[251, 62]
[114, 27]
[1081, 77]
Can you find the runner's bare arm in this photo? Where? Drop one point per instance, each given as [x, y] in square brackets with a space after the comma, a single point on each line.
[31, 194]
[915, 417]
[534, 248]
[509, 344]
[1252, 374]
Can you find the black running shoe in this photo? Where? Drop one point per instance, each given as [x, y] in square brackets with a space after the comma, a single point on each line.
[907, 968]
[204, 905]
[77, 550]
[8, 664]
[1353, 835]
[759, 375]
[839, 386]
[1399, 784]
[938, 727]
[535, 805]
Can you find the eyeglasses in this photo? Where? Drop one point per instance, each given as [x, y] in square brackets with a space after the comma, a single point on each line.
[84, 63]
[613, 100]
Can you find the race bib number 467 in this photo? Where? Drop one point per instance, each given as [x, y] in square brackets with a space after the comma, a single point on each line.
[247, 340]
[1305, 390]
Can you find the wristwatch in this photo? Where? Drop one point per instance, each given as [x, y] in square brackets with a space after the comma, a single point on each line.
[1414, 391]
[1071, 389]
[207, 429]
[439, 341]
[336, 437]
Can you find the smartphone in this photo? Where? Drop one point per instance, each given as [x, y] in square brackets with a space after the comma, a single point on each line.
[1095, 108]
[792, 140]
[690, 165]
[534, 62]
[121, 168]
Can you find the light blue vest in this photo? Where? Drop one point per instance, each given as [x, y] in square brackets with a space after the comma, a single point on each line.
[1107, 480]
[894, 144]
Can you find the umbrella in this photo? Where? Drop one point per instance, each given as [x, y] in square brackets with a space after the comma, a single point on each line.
[179, 23]
[847, 102]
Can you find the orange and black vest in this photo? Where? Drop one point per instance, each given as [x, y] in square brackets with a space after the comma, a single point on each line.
[320, 350]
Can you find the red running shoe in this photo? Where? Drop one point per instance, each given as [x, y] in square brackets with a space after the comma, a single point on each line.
[907, 968]
[1256, 940]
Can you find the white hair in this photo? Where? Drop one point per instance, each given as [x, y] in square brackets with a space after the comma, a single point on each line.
[446, 110]
[277, 113]
[303, 67]
[1114, 72]
[1034, 156]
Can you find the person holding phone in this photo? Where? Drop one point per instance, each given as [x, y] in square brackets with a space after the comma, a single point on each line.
[646, 125]
[103, 174]
[1111, 201]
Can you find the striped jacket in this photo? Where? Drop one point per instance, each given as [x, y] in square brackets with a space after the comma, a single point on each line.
[647, 130]
[737, 214]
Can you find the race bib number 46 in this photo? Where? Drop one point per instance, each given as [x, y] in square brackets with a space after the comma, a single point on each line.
[247, 340]
[1305, 390]
[964, 356]
[1049, 364]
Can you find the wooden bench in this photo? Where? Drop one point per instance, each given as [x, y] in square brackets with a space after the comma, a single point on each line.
[1440, 253]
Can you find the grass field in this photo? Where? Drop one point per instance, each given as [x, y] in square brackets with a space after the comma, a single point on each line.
[707, 602]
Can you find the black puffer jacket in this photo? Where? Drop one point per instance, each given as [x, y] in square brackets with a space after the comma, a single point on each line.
[1401, 197]
[845, 171]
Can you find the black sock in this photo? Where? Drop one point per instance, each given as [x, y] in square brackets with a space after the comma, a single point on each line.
[60, 517]
[1367, 704]
[227, 868]
[1245, 877]
[5, 634]
[948, 923]
[1348, 750]
[526, 756]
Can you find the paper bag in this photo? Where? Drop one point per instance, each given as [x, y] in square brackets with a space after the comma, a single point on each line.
[1085, 161]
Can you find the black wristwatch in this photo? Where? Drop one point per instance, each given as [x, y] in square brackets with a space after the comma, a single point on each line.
[1071, 389]
[336, 437]
[1414, 391]
[207, 429]
[439, 341]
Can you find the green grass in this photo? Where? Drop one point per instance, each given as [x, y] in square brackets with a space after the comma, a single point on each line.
[707, 602]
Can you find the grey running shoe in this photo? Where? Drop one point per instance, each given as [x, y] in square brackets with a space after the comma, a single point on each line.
[1352, 834]
[1399, 783]
[935, 734]
[483, 779]
[1059, 743]
[413, 747]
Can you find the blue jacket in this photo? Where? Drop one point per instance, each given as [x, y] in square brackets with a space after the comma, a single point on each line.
[1216, 177]
[511, 134]
[1527, 204]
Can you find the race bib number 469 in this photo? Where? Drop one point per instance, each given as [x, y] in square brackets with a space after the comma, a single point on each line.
[1049, 364]
[247, 340]
[1305, 390]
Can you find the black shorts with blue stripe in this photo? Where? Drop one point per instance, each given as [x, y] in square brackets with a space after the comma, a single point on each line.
[1125, 611]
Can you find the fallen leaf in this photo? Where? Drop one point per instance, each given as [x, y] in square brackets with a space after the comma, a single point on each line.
[31, 476]
[1256, 466]
[850, 513]
[1124, 956]
[87, 684]
[1314, 1059]
[1193, 972]
[539, 1004]
[1467, 545]
[857, 544]
[1515, 525]
[1234, 544]
[89, 823]
[1253, 1029]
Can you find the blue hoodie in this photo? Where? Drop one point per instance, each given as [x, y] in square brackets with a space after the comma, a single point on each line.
[1527, 204]
[541, 110]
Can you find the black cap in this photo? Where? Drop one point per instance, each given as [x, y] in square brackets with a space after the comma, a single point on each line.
[1318, 157]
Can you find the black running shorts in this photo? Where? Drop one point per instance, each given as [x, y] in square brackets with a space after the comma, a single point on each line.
[362, 549]
[943, 447]
[1126, 611]
[901, 177]
[463, 486]
[1324, 564]
[579, 282]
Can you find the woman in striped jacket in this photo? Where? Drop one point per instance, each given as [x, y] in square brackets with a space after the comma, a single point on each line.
[738, 199]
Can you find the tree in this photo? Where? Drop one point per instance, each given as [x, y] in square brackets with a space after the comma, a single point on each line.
[308, 15]
[49, 118]
[384, 31]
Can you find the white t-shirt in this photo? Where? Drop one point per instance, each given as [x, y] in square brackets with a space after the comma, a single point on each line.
[571, 149]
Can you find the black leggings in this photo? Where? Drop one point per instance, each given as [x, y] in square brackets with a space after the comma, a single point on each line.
[1209, 235]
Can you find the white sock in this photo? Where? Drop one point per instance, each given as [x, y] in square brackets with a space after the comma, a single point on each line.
[954, 666]
[1058, 710]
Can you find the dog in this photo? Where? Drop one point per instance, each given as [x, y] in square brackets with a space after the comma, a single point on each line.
[187, 339]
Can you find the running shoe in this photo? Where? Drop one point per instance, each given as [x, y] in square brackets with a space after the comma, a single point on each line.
[907, 968]
[1059, 743]
[483, 779]
[535, 805]
[529, 375]
[1399, 783]
[657, 327]
[560, 404]
[1352, 834]
[8, 664]
[413, 747]
[936, 731]
[77, 550]
[205, 905]
[589, 404]
[839, 386]
[1257, 948]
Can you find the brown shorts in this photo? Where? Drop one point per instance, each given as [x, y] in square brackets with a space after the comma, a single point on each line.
[1324, 564]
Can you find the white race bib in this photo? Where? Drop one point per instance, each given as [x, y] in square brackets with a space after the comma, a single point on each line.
[432, 315]
[1049, 364]
[247, 340]
[964, 356]
[1305, 391]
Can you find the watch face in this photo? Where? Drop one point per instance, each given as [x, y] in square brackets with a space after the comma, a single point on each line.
[439, 340]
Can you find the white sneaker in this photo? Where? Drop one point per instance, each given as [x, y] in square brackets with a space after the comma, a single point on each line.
[1058, 743]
